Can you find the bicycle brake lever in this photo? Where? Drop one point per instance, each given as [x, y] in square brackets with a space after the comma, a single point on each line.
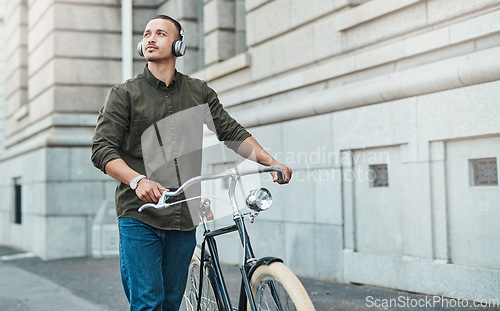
[157, 206]
[162, 205]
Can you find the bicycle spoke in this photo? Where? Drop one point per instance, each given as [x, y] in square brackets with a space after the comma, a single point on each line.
[272, 296]
[207, 302]
[274, 292]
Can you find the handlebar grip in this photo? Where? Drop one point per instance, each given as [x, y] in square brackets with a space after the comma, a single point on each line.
[278, 170]
[281, 177]
[172, 192]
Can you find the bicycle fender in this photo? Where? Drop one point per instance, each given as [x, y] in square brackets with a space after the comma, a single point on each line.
[260, 262]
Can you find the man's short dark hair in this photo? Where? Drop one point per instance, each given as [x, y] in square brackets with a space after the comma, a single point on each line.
[168, 18]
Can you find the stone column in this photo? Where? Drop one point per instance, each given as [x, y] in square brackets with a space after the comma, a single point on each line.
[219, 29]
[189, 13]
[16, 62]
[61, 59]
[2, 74]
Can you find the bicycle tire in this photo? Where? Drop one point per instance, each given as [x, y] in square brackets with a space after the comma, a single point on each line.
[290, 291]
[209, 302]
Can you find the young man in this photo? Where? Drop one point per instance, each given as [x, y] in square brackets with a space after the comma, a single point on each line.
[156, 246]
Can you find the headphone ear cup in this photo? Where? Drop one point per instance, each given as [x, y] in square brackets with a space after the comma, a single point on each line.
[139, 49]
[178, 48]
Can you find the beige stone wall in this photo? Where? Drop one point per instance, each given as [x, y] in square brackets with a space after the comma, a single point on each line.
[61, 59]
[2, 75]
[332, 87]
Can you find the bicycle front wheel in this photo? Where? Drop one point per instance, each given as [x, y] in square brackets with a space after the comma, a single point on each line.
[208, 301]
[275, 287]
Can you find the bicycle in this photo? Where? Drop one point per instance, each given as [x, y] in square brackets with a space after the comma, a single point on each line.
[266, 283]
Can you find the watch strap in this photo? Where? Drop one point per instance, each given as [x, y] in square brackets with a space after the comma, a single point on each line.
[135, 182]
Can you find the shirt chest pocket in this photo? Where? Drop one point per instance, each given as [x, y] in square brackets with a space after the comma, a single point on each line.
[142, 127]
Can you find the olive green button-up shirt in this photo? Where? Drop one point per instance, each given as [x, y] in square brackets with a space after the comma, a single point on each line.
[143, 105]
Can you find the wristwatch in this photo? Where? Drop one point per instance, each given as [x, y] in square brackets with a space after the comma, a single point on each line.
[134, 182]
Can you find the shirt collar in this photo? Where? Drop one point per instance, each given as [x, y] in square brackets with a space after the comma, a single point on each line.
[155, 81]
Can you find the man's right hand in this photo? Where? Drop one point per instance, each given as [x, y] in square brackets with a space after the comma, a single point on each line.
[149, 191]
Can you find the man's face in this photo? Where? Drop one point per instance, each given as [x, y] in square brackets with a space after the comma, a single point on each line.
[157, 40]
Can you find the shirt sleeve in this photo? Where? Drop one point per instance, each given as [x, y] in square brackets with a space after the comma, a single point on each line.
[227, 129]
[112, 122]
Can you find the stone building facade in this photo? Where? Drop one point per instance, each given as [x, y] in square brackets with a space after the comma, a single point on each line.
[387, 110]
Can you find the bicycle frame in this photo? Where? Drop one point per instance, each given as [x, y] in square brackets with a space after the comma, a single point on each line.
[249, 265]
[210, 261]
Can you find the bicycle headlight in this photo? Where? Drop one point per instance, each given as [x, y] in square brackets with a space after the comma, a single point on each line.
[259, 199]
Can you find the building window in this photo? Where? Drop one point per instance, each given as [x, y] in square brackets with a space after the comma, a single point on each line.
[378, 175]
[483, 172]
[17, 201]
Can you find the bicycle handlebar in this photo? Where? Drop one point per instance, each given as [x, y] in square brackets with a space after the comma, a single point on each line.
[194, 180]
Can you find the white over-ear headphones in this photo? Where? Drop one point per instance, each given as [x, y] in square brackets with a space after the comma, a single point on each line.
[178, 46]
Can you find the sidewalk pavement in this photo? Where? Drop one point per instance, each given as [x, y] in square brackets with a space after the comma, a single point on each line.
[89, 284]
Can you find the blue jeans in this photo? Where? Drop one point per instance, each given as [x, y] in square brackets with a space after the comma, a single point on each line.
[154, 265]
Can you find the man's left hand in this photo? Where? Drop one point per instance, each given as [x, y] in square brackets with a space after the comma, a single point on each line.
[287, 173]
